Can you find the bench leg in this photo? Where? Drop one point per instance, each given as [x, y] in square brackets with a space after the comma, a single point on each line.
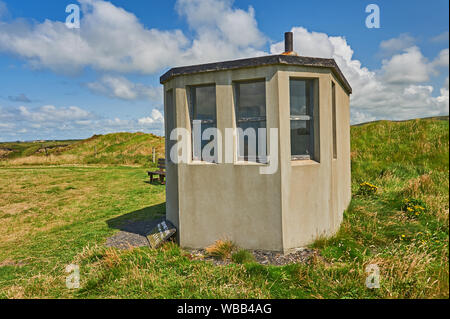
[151, 178]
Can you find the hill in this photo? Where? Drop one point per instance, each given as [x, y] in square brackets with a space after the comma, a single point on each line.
[415, 145]
[115, 149]
[12, 150]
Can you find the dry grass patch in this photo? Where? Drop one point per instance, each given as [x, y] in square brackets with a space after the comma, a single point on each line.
[221, 249]
[420, 185]
[43, 160]
[29, 204]
[405, 273]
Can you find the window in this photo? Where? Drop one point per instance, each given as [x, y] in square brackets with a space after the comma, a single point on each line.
[333, 110]
[302, 117]
[203, 116]
[251, 120]
[171, 121]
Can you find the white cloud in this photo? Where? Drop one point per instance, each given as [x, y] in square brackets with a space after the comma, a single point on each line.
[49, 121]
[222, 32]
[50, 113]
[443, 99]
[394, 45]
[41, 120]
[156, 117]
[120, 87]
[407, 67]
[441, 60]
[112, 39]
[393, 92]
[6, 126]
[443, 37]
[361, 117]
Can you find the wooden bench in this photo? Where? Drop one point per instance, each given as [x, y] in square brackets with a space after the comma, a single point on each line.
[161, 171]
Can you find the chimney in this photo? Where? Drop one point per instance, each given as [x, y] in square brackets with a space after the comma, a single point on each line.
[289, 44]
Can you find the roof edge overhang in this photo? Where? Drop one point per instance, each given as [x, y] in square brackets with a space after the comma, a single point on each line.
[259, 61]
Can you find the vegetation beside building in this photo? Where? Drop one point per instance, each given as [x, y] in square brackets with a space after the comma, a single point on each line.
[52, 216]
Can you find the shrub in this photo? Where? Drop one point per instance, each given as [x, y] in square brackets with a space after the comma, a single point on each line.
[367, 189]
[242, 256]
[221, 249]
[413, 207]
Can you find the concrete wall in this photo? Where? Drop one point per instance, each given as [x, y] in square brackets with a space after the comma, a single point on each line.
[315, 192]
[304, 199]
[170, 120]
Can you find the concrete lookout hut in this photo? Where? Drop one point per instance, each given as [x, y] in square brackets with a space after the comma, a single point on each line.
[306, 101]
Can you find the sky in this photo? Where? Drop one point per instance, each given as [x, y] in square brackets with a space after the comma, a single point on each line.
[58, 82]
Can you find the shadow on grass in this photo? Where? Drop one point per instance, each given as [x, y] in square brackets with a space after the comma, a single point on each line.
[141, 221]
[155, 182]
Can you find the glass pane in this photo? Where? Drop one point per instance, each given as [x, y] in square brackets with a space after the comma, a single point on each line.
[170, 115]
[252, 144]
[251, 100]
[300, 97]
[302, 120]
[203, 109]
[203, 102]
[301, 138]
[204, 142]
[251, 115]
[333, 106]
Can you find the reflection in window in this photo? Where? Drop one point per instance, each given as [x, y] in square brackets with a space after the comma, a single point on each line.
[301, 118]
[203, 115]
[251, 120]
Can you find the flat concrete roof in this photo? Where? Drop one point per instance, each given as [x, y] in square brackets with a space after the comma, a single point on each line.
[259, 61]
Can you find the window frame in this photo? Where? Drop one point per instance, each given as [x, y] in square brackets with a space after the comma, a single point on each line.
[236, 93]
[314, 119]
[334, 119]
[170, 118]
[191, 110]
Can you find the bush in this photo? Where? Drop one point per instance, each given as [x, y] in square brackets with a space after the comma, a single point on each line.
[242, 256]
[413, 207]
[221, 249]
[367, 189]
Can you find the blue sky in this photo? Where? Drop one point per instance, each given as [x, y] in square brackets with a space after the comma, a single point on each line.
[60, 83]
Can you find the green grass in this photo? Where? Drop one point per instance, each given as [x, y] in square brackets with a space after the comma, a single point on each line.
[52, 216]
[242, 256]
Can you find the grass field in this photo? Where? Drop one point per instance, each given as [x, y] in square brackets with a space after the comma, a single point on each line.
[54, 215]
